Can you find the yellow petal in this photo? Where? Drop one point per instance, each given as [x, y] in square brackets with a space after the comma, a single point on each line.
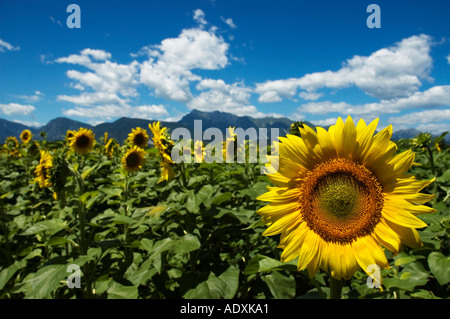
[280, 195]
[401, 217]
[294, 242]
[387, 236]
[284, 223]
[409, 236]
[308, 249]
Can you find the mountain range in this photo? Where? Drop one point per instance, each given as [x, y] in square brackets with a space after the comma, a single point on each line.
[56, 129]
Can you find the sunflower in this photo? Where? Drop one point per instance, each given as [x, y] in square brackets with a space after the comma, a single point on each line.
[164, 144]
[110, 146]
[133, 159]
[12, 146]
[82, 141]
[167, 172]
[138, 137]
[159, 135]
[26, 136]
[42, 170]
[340, 196]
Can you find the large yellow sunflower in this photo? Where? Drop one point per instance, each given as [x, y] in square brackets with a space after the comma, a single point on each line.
[81, 141]
[42, 170]
[340, 196]
[133, 159]
[138, 137]
[26, 136]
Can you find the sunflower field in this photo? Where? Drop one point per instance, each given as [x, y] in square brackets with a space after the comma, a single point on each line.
[91, 217]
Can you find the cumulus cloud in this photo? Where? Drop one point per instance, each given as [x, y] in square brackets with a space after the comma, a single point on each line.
[217, 95]
[433, 98]
[16, 109]
[422, 117]
[275, 91]
[107, 89]
[388, 73]
[105, 82]
[169, 69]
[7, 46]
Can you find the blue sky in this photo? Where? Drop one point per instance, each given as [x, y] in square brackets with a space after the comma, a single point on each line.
[159, 59]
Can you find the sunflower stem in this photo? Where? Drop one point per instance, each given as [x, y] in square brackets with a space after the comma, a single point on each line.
[335, 288]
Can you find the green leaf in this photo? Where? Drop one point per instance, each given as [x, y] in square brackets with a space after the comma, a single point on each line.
[51, 225]
[258, 223]
[204, 196]
[220, 198]
[191, 203]
[424, 294]
[7, 273]
[413, 275]
[118, 291]
[440, 267]
[231, 279]
[186, 244]
[46, 280]
[223, 286]
[88, 170]
[55, 241]
[404, 260]
[261, 263]
[280, 286]
[211, 288]
[142, 273]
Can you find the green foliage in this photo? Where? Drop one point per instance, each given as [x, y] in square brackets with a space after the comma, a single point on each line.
[192, 237]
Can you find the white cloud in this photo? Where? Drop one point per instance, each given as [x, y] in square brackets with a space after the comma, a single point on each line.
[219, 96]
[169, 68]
[29, 123]
[199, 17]
[106, 83]
[310, 95]
[233, 98]
[325, 122]
[16, 109]
[230, 22]
[388, 73]
[275, 91]
[7, 46]
[448, 59]
[433, 98]
[110, 111]
[37, 96]
[423, 117]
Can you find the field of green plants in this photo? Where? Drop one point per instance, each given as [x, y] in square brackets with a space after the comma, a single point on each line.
[99, 231]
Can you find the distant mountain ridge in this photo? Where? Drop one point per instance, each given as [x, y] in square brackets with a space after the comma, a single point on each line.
[56, 129]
